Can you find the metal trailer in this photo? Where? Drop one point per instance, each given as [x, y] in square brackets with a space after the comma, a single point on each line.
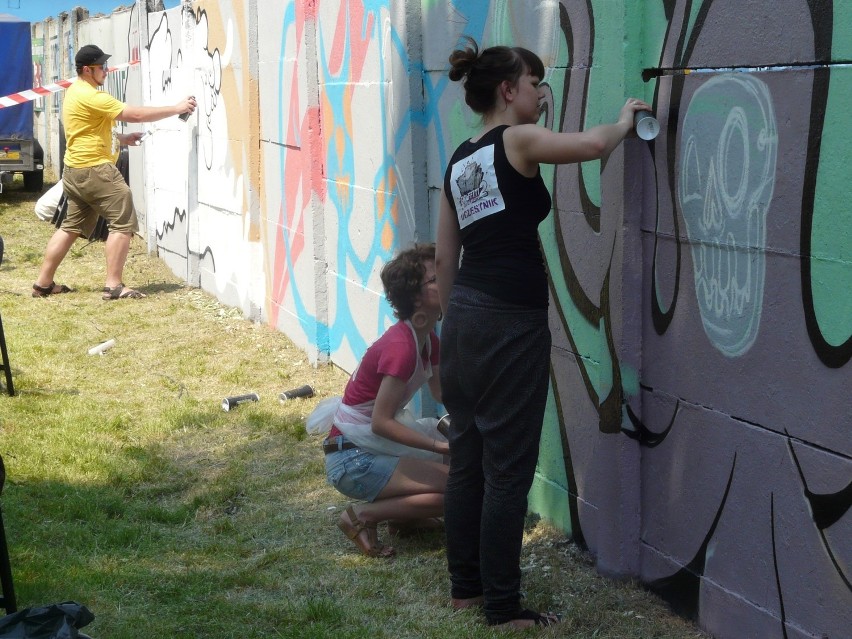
[20, 151]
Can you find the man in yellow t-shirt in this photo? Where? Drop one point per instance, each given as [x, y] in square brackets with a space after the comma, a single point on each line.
[91, 180]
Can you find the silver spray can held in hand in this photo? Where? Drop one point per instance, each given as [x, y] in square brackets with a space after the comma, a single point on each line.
[185, 116]
[646, 125]
[444, 425]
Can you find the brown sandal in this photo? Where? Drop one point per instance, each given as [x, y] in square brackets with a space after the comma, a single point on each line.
[353, 529]
[45, 291]
[121, 292]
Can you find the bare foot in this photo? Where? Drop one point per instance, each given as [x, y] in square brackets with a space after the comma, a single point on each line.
[470, 602]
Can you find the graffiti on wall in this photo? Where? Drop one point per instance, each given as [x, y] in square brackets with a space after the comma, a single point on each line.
[706, 322]
[725, 187]
[728, 272]
[209, 65]
[339, 154]
[167, 208]
[201, 246]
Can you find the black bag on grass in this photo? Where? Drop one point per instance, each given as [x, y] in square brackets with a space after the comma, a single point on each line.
[101, 232]
[56, 621]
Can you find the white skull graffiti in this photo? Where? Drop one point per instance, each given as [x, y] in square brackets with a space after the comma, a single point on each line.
[727, 174]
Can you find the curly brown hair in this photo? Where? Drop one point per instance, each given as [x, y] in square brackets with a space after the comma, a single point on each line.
[483, 71]
[402, 278]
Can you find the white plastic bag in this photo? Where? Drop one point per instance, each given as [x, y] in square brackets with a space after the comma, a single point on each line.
[350, 421]
[46, 205]
[320, 420]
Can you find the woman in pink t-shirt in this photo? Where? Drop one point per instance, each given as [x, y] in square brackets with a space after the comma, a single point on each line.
[376, 451]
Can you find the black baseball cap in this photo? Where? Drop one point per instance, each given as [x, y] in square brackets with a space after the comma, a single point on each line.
[90, 55]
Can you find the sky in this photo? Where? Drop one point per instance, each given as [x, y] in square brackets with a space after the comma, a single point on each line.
[38, 10]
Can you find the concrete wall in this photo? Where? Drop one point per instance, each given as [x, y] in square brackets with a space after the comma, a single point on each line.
[699, 430]
[745, 422]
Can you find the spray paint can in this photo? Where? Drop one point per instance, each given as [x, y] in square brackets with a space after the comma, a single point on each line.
[293, 393]
[444, 425]
[646, 125]
[101, 348]
[185, 116]
[232, 402]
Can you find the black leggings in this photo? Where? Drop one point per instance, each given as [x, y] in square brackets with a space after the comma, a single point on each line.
[495, 360]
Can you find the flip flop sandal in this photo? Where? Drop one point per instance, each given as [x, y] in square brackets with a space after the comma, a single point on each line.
[121, 292]
[539, 619]
[46, 291]
[353, 530]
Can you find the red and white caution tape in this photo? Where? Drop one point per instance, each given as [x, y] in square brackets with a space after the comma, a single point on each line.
[39, 92]
[31, 94]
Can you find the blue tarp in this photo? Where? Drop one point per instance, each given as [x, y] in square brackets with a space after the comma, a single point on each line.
[16, 61]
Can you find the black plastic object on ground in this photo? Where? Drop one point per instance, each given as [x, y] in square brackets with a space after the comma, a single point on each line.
[56, 621]
[232, 402]
[293, 393]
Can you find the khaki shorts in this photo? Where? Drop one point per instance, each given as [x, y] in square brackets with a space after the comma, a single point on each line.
[97, 191]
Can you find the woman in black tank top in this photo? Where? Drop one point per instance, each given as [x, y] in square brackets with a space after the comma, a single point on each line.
[495, 341]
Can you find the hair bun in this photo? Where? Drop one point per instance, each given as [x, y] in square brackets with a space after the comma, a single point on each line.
[462, 60]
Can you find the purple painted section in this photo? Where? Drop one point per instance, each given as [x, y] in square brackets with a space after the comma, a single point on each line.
[731, 531]
[738, 442]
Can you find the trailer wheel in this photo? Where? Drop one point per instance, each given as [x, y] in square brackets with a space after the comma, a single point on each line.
[33, 181]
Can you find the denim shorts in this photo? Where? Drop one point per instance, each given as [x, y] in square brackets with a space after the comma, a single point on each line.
[359, 474]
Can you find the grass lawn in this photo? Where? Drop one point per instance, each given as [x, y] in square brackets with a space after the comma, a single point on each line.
[131, 491]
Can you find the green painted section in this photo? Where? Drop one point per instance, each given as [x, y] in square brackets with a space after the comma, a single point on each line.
[589, 338]
[549, 493]
[501, 25]
[461, 123]
[629, 380]
[606, 81]
[831, 247]
[841, 45]
[550, 502]
[652, 19]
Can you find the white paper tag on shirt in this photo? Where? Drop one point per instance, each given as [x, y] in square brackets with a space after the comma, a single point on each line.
[473, 181]
[116, 145]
